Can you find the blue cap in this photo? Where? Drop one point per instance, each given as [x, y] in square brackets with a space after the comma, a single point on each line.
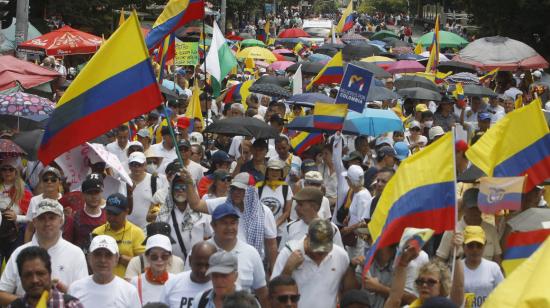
[220, 156]
[401, 150]
[484, 116]
[225, 209]
[116, 203]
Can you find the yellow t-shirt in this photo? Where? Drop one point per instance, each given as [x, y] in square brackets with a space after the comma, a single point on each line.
[129, 240]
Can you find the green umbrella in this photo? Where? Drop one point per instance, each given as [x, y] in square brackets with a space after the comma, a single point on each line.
[446, 40]
[382, 34]
[252, 43]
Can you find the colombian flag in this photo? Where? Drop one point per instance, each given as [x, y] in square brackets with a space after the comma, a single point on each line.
[304, 141]
[520, 246]
[175, 14]
[433, 60]
[517, 145]
[167, 52]
[239, 90]
[491, 75]
[331, 73]
[329, 116]
[497, 194]
[425, 200]
[346, 21]
[114, 87]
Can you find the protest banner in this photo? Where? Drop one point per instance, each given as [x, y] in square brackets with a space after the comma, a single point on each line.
[187, 53]
[354, 88]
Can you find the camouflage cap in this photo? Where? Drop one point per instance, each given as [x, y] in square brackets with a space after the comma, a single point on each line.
[320, 235]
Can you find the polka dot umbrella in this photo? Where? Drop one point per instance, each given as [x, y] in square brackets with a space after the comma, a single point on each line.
[8, 148]
[25, 105]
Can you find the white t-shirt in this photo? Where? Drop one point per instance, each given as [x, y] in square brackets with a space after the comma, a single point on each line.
[143, 198]
[180, 290]
[274, 200]
[359, 208]
[324, 210]
[117, 293]
[167, 156]
[482, 280]
[194, 227]
[68, 265]
[33, 203]
[196, 171]
[150, 293]
[134, 266]
[297, 230]
[114, 148]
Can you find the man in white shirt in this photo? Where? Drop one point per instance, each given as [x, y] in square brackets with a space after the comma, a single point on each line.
[318, 266]
[68, 261]
[313, 179]
[120, 146]
[196, 170]
[308, 203]
[103, 288]
[165, 149]
[181, 289]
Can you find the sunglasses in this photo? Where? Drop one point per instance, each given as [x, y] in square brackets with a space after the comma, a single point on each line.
[429, 282]
[8, 169]
[135, 164]
[226, 179]
[164, 257]
[49, 179]
[180, 187]
[285, 298]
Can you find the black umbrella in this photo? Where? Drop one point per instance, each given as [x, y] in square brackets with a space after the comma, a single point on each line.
[390, 39]
[377, 93]
[242, 126]
[455, 67]
[270, 90]
[476, 90]
[29, 141]
[415, 81]
[358, 52]
[373, 68]
[309, 99]
[312, 68]
[21, 123]
[327, 51]
[397, 43]
[267, 79]
[470, 175]
[420, 93]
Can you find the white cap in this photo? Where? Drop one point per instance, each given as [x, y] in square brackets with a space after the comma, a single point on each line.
[241, 180]
[104, 241]
[435, 132]
[537, 74]
[135, 143]
[48, 205]
[196, 138]
[160, 241]
[137, 157]
[314, 177]
[354, 173]
[152, 152]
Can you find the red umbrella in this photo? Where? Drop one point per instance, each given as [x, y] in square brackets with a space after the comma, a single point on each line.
[63, 41]
[233, 37]
[279, 57]
[293, 33]
[27, 74]
[405, 66]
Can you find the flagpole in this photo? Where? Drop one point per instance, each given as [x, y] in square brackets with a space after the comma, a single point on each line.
[456, 205]
[204, 63]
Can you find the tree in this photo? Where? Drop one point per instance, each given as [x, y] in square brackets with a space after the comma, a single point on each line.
[325, 7]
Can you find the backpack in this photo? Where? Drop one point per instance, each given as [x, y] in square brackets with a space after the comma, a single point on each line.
[204, 299]
[153, 184]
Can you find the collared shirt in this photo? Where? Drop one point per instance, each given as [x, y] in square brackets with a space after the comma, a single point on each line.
[384, 275]
[318, 284]
[68, 265]
[297, 230]
[114, 148]
[55, 300]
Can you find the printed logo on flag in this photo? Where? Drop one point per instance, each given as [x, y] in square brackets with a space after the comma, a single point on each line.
[355, 87]
[500, 193]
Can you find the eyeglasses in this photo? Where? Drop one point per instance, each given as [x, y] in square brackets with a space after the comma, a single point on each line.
[164, 257]
[429, 282]
[49, 179]
[135, 164]
[8, 169]
[285, 298]
[226, 179]
[180, 187]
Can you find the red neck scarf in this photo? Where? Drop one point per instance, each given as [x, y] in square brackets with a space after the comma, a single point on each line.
[160, 279]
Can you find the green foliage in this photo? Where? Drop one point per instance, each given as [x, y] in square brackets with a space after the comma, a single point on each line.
[388, 6]
[324, 7]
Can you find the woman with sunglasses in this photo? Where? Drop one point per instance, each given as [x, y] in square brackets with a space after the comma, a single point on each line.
[150, 285]
[14, 202]
[220, 185]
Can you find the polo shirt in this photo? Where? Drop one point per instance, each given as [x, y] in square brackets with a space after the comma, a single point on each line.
[318, 284]
[114, 148]
[297, 230]
[68, 265]
[129, 240]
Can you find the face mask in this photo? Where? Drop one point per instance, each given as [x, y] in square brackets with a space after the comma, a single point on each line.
[180, 198]
[428, 124]
[151, 168]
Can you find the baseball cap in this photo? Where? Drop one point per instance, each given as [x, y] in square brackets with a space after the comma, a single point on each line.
[435, 131]
[461, 146]
[153, 115]
[320, 233]
[223, 210]
[48, 205]
[474, 234]
[160, 241]
[414, 124]
[309, 194]
[184, 143]
[241, 180]
[158, 228]
[116, 203]
[144, 132]
[358, 297]
[220, 156]
[353, 156]
[386, 150]
[137, 157]
[276, 164]
[105, 242]
[421, 108]
[183, 122]
[537, 74]
[222, 262]
[93, 182]
[401, 150]
[354, 173]
[153, 152]
[484, 116]
[309, 165]
[314, 177]
[135, 144]
[220, 174]
[51, 169]
[196, 138]
[469, 198]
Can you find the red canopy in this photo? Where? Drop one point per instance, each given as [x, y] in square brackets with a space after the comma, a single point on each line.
[63, 41]
[293, 33]
[25, 73]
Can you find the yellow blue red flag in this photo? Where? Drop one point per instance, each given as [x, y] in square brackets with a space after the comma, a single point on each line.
[425, 200]
[329, 116]
[346, 21]
[331, 73]
[304, 141]
[176, 13]
[167, 52]
[433, 60]
[517, 145]
[114, 87]
[497, 194]
[521, 245]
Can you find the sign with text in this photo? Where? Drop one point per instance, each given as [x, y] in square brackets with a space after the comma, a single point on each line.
[354, 88]
[187, 53]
